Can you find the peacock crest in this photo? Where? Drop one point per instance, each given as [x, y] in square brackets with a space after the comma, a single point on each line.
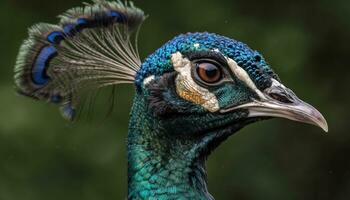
[91, 47]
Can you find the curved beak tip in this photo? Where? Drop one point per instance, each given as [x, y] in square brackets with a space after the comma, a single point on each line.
[314, 117]
[322, 123]
[325, 128]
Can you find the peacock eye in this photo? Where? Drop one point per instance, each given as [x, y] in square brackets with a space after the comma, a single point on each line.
[208, 72]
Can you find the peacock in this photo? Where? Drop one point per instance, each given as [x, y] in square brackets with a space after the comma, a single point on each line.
[190, 95]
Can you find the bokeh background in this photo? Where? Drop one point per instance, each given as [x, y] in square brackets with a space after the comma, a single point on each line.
[307, 42]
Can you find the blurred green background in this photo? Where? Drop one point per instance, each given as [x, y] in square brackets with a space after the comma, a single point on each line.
[307, 42]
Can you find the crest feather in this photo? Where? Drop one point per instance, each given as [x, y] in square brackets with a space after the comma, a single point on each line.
[91, 47]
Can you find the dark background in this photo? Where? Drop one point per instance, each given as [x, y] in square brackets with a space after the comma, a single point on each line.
[307, 43]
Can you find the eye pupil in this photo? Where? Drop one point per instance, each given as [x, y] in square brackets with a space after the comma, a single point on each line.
[208, 72]
[211, 72]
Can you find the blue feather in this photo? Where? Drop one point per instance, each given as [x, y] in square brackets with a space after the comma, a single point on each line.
[55, 37]
[69, 29]
[82, 23]
[39, 75]
[116, 16]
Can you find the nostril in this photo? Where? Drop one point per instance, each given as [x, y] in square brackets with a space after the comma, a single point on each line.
[281, 97]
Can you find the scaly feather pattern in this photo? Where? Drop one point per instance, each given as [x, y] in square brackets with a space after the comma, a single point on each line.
[90, 48]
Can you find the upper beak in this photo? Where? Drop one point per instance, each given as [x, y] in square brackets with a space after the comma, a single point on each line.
[279, 101]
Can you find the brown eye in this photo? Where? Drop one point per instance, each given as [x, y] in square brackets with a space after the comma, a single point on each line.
[208, 72]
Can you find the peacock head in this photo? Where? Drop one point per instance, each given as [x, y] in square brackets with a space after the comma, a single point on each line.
[203, 84]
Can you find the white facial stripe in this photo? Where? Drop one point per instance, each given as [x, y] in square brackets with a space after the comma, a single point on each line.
[242, 75]
[188, 89]
[147, 80]
[275, 83]
[261, 103]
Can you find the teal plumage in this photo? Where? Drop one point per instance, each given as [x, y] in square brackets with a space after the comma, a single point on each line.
[191, 94]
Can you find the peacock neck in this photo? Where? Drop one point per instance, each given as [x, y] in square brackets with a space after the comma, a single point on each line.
[161, 166]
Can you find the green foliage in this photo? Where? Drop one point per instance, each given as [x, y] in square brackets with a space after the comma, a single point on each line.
[306, 42]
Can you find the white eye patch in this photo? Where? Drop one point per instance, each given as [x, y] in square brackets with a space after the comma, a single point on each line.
[187, 89]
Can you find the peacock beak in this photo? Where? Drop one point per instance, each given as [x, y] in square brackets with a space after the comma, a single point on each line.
[279, 101]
